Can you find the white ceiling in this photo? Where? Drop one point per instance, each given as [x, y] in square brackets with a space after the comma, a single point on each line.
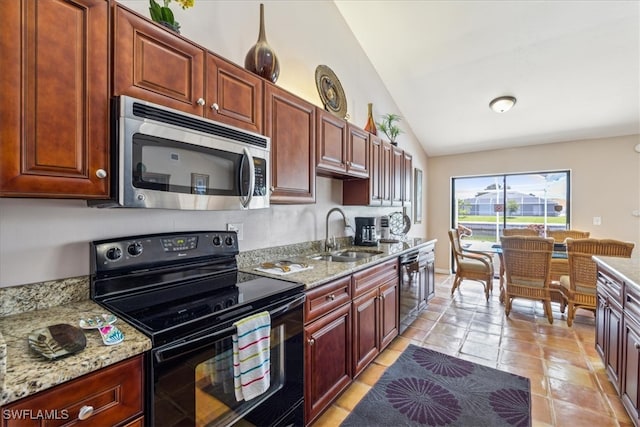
[574, 67]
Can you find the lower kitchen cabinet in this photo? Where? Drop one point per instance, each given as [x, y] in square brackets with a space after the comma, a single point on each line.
[327, 334]
[375, 312]
[111, 396]
[618, 336]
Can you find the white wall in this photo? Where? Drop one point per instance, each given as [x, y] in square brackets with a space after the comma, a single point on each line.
[605, 182]
[49, 239]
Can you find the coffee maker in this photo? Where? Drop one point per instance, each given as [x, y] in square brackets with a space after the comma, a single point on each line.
[366, 231]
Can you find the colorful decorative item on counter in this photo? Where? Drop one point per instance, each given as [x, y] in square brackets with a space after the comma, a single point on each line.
[56, 341]
[331, 92]
[261, 58]
[389, 127]
[371, 124]
[163, 14]
[104, 324]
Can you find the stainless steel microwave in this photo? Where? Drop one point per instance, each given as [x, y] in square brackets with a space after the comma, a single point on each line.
[169, 159]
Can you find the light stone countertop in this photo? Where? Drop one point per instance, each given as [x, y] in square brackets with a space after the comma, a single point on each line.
[627, 268]
[28, 372]
[326, 271]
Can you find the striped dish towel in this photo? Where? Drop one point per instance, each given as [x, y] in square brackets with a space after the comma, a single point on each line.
[251, 356]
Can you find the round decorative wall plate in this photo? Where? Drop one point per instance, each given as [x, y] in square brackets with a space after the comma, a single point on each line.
[331, 92]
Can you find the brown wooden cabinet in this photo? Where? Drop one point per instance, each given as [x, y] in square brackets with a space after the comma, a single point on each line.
[290, 122]
[357, 152]
[327, 331]
[111, 396]
[375, 312]
[156, 65]
[609, 324]
[331, 144]
[407, 178]
[55, 99]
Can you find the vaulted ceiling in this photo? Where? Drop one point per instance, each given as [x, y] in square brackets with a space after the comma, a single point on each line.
[574, 67]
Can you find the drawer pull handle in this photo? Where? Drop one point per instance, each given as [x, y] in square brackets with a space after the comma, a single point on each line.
[311, 341]
[331, 297]
[85, 412]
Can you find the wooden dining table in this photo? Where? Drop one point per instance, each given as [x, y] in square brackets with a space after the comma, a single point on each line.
[559, 264]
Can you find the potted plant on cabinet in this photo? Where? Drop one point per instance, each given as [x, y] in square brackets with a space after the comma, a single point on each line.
[389, 127]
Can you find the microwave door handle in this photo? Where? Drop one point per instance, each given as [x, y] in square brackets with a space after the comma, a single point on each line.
[252, 178]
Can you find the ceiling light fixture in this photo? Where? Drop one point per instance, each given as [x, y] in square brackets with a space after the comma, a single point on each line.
[502, 104]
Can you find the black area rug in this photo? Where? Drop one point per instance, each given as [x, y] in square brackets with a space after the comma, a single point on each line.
[427, 388]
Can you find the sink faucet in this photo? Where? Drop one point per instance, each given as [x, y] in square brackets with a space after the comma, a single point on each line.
[327, 243]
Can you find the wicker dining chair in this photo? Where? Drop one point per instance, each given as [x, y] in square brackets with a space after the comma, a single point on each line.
[562, 235]
[527, 262]
[579, 286]
[520, 232]
[470, 265]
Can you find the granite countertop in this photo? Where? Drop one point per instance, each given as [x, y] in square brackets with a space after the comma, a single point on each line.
[325, 271]
[627, 268]
[26, 372]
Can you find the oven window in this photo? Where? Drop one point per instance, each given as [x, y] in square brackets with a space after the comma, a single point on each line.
[215, 398]
[165, 165]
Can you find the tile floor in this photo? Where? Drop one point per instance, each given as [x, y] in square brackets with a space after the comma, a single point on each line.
[569, 385]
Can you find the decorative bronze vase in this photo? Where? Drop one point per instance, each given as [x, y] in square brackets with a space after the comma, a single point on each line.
[371, 125]
[261, 59]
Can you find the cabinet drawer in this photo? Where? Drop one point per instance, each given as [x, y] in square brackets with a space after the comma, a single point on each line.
[325, 298]
[114, 393]
[632, 302]
[370, 278]
[610, 285]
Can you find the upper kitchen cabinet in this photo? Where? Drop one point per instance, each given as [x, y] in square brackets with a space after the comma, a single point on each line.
[55, 120]
[331, 144]
[407, 172]
[397, 176]
[357, 152]
[155, 65]
[152, 64]
[290, 122]
[234, 95]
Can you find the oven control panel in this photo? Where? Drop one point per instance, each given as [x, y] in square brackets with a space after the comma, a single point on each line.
[156, 249]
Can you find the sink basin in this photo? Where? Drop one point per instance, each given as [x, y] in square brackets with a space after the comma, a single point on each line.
[347, 255]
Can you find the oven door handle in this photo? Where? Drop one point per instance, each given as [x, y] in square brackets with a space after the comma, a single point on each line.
[181, 348]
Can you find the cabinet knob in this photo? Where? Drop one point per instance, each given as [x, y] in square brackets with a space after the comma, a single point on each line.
[85, 412]
[637, 346]
[101, 173]
[311, 341]
[201, 102]
[215, 107]
[331, 297]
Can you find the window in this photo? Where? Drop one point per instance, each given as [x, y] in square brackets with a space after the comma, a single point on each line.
[485, 205]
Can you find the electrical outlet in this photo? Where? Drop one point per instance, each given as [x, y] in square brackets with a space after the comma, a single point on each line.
[237, 227]
[597, 220]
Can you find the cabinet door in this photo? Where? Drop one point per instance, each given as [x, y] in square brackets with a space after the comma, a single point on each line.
[357, 152]
[601, 312]
[631, 374]
[366, 330]
[153, 64]
[407, 171]
[290, 123]
[386, 173]
[613, 350]
[375, 170]
[389, 315]
[397, 176]
[331, 143]
[54, 106]
[234, 95]
[327, 360]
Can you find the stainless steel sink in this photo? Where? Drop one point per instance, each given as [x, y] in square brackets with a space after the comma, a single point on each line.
[347, 255]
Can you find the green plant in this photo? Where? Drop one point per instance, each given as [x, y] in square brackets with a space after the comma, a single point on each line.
[389, 127]
[164, 15]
